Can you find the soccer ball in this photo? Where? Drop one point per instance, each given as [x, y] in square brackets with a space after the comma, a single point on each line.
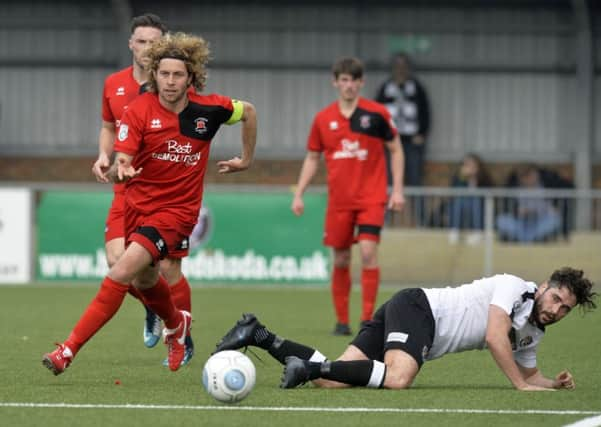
[229, 376]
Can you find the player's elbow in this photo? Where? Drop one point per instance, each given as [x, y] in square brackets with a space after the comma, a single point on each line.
[492, 338]
[491, 341]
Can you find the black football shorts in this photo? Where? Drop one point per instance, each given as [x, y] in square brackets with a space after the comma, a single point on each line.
[404, 322]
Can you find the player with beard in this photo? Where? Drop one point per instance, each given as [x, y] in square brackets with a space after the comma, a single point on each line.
[162, 148]
[503, 313]
[120, 89]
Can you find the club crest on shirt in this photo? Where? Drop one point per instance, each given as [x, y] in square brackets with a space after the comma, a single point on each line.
[526, 341]
[364, 121]
[123, 130]
[333, 125]
[201, 125]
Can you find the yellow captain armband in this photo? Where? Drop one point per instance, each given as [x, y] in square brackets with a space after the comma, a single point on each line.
[236, 113]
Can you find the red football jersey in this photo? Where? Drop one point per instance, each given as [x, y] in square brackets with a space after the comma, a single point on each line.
[120, 89]
[354, 152]
[173, 150]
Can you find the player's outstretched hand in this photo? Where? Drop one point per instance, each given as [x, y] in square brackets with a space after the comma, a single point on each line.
[565, 380]
[100, 168]
[233, 165]
[298, 206]
[125, 171]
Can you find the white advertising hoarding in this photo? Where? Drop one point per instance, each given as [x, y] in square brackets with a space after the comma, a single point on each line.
[15, 235]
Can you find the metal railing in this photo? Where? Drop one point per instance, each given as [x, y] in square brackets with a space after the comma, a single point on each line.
[484, 216]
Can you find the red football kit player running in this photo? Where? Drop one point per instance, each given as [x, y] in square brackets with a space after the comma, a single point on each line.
[162, 151]
[353, 133]
[120, 89]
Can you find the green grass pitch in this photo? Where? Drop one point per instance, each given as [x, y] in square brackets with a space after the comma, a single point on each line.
[33, 317]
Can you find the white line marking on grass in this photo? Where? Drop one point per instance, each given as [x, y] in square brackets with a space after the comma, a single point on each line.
[296, 408]
[587, 422]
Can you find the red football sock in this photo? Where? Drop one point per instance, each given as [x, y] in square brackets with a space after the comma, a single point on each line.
[341, 289]
[135, 292]
[180, 294]
[104, 305]
[158, 299]
[370, 280]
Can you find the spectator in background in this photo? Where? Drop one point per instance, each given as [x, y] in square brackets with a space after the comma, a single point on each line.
[406, 100]
[532, 218]
[467, 212]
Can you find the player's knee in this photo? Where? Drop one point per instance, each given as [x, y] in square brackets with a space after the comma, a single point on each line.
[369, 260]
[112, 257]
[120, 274]
[171, 270]
[396, 379]
[342, 259]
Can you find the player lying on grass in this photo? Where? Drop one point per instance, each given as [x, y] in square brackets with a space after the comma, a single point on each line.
[503, 313]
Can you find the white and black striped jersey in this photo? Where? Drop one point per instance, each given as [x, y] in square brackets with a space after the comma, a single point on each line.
[461, 316]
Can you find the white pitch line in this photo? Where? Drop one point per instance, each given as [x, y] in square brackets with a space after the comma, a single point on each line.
[296, 408]
[587, 422]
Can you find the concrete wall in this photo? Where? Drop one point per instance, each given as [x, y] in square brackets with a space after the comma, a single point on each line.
[420, 258]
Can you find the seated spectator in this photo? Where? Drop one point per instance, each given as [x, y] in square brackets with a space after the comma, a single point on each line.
[467, 212]
[534, 219]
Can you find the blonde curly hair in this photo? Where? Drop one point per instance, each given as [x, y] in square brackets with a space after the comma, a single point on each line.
[193, 50]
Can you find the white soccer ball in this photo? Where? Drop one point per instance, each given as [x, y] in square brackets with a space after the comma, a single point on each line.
[229, 376]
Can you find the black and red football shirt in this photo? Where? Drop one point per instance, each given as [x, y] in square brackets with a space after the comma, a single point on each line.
[173, 150]
[354, 152]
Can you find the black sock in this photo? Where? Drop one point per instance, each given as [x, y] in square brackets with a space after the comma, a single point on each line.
[314, 370]
[264, 338]
[367, 373]
[282, 348]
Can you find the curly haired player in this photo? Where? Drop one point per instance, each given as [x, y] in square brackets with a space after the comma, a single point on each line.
[504, 313]
[162, 150]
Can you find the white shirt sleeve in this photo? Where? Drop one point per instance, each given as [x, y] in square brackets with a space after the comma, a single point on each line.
[508, 292]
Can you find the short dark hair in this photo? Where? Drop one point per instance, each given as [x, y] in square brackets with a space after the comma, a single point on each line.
[578, 285]
[148, 20]
[404, 56]
[348, 65]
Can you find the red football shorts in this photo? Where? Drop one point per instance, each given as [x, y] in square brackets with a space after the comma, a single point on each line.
[343, 227]
[114, 226]
[158, 233]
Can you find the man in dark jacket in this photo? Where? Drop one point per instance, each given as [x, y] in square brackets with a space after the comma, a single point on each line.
[406, 100]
